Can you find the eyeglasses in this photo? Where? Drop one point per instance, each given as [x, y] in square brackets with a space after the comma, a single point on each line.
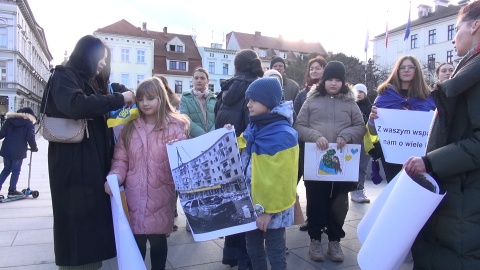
[405, 68]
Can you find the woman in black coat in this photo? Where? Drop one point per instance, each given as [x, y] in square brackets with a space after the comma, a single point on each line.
[231, 108]
[83, 228]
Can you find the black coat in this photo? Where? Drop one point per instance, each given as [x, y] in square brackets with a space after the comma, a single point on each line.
[83, 228]
[365, 107]
[18, 130]
[231, 106]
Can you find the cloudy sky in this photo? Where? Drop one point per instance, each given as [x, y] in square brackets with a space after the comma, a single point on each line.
[340, 25]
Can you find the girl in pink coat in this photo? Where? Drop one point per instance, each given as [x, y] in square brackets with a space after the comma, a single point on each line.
[141, 164]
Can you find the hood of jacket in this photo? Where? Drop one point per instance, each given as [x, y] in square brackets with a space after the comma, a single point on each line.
[233, 90]
[285, 109]
[20, 119]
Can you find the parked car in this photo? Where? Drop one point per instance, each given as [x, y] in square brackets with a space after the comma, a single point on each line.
[210, 209]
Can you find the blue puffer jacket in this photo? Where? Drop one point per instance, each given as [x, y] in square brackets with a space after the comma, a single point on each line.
[18, 130]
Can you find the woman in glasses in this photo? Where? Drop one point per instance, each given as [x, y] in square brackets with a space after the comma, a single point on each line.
[405, 89]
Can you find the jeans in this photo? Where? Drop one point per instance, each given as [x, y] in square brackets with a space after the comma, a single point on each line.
[274, 242]
[158, 248]
[362, 169]
[11, 166]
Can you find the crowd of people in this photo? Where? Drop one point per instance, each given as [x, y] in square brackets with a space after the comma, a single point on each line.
[273, 118]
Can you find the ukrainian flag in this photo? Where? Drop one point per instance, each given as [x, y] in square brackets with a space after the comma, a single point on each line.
[122, 116]
[274, 156]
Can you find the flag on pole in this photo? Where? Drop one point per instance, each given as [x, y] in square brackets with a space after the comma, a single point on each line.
[386, 33]
[407, 29]
[366, 42]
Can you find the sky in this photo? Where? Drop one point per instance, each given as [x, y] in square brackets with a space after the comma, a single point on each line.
[339, 25]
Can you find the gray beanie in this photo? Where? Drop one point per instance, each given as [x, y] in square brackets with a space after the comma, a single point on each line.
[266, 91]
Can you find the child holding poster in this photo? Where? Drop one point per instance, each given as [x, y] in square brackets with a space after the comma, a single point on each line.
[405, 89]
[141, 163]
[329, 115]
[270, 158]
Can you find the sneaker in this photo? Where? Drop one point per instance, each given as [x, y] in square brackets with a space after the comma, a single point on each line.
[335, 252]
[359, 196]
[304, 226]
[316, 251]
[15, 193]
[287, 251]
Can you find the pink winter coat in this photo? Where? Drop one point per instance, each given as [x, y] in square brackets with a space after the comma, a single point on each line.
[149, 187]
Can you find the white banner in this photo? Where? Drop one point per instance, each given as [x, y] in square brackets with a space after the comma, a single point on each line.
[402, 133]
[332, 164]
[389, 228]
[128, 255]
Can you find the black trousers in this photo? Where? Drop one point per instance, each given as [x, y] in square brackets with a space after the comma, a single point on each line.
[158, 248]
[327, 208]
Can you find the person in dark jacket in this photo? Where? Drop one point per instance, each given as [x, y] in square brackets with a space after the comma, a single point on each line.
[231, 108]
[449, 239]
[313, 75]
[82, 228]
[18, 131]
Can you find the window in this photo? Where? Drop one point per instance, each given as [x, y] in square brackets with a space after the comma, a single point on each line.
[140, 78]
[225, 56]
[262, 53]
[211, 67]
[414, 41]
[432, 36]
[140, 56]
[450, 56]
[211, 87]
[126, 79]
[175, 48]
[179, 48]
[225, 69]
[125, 55]
[451, 32]
[178, 87]
[3, 72]
[284, 55]
[111, 55]
[3, 37]
[178, 65]
[431, 61]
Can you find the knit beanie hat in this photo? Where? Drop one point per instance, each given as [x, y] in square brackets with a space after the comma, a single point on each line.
[265, 90]
[361, 88]
[277, 59]
[273, 73]
[334, 70]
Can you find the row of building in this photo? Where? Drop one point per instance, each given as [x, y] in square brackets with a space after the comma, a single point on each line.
[139, 53]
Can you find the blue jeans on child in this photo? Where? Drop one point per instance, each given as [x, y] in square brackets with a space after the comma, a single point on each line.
[11, 166]
[274, 242]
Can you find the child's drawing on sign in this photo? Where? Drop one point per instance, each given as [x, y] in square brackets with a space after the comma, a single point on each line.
[330, 162]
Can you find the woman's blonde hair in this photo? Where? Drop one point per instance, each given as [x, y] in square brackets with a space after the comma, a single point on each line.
[418, 87]
[154, 87]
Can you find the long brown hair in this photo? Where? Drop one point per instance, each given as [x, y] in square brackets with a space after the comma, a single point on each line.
[308, 80]
[174, 99]
[154, 87]
[418, 88]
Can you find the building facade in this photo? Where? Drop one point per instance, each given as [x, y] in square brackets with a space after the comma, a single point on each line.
[24, 58]
[430, 39]
[219, 64]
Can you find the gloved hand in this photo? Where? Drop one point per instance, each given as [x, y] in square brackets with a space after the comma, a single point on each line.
[34, 149]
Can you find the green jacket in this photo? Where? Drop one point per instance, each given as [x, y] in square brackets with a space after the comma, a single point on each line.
[190, 106]
[451, 237]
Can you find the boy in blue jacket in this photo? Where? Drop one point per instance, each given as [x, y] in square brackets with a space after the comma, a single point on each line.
[270, 161]
[18, 130]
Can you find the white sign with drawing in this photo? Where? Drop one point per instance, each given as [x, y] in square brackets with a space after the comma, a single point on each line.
[208, 175]
[402, 133]
[332, 164]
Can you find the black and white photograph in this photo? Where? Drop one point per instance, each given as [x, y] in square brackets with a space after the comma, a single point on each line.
[209, 178]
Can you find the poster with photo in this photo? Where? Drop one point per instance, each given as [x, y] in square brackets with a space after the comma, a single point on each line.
[207, 171]
[332, 164]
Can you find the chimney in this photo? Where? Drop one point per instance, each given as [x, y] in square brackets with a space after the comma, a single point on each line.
[423, 10]
[165, 30]
[258, 34]
[144, 26]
